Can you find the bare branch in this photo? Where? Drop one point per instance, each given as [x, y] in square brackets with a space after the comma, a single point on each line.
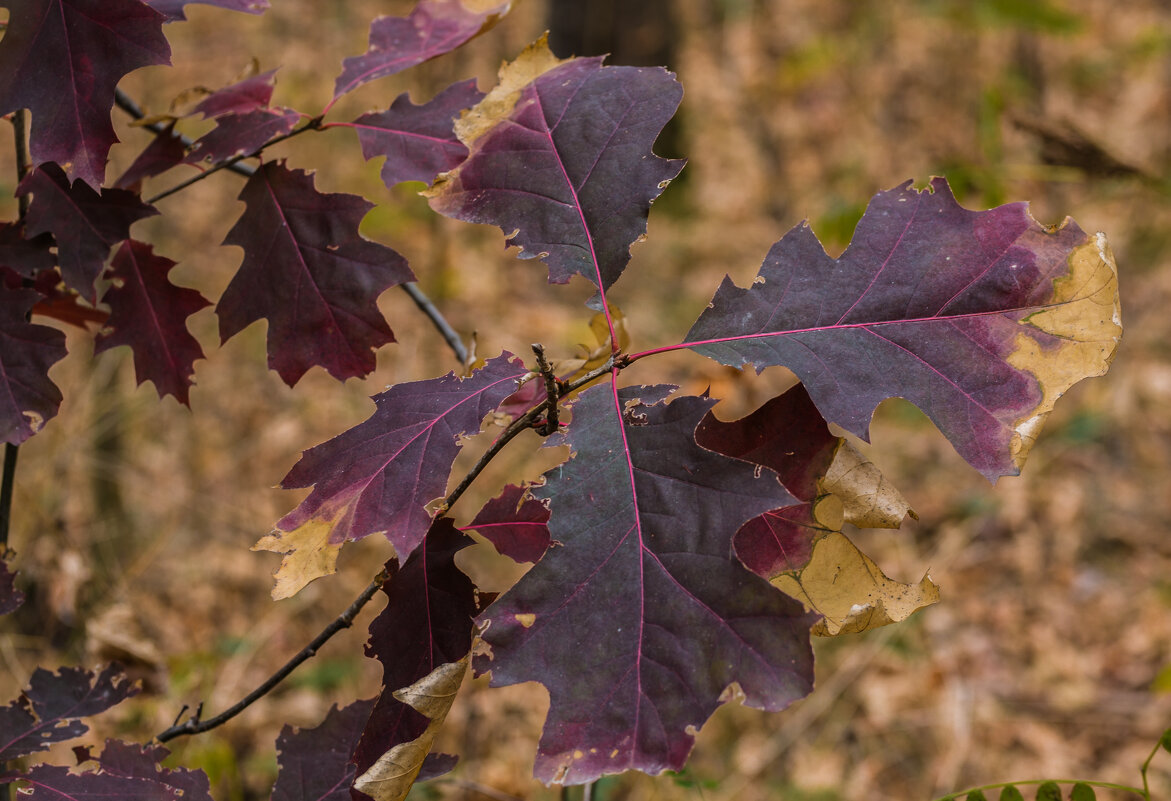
[193, 725]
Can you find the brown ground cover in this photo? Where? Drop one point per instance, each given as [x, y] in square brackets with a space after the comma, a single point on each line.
[1050, 655]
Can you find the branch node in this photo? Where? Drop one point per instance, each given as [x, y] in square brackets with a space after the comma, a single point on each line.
[552, 392]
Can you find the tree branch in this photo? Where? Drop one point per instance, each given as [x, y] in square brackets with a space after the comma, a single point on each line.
[127, 104]
[313, 125]
[551, 391]
[437, 319]
[193, 725]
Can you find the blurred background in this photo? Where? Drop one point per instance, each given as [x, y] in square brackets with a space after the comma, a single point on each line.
[1050, 654]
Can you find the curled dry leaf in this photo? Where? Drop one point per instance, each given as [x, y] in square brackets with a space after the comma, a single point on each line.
[847, 588]
[391, 777]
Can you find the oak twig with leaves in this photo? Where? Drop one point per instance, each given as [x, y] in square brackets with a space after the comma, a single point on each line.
[676, 555]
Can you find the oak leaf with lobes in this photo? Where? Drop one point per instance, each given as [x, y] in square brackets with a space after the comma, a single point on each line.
[28, 398]
[418, 142]
[422, 638]
[433, 27]
[379, 476]
[832, 480]
[62, 60]
[149, 313]
[310, 273]
[560, 156]
[84, 223]
[641, 618]
[981, 319]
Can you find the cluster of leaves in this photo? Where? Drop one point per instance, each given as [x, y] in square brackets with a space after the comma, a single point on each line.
[676, 556]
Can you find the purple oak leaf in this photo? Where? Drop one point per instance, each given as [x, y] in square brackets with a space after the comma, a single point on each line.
[436, 765]
[315, 764]
[563, 161]
[242, 134]
[49, 710]
[62, 59]
[418, 142]
[310, 274]
[173, 9]
[789, 436]
[380, 475]
[28, 399]
[422, 638]
[981, 319]
[149, 314]
[144, 763]
[241, 97]
[25, 256]
[645, 519]
[85, 224]
[515, 523]
[165, 151]
[434, 27]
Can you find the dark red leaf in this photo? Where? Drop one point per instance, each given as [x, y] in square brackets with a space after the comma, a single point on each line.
[10, 597]
[173, 9]
[563, 162]
[425, 627]
[436, 765]
[127, 772]
[53, 783]
[789, 436]
[134, 761]
[48, 711]
[516, 524]
[27, 397]
[165, 151]
[417, 141]
[241, 97]
[314, 764]
[434, 27]
[380, 475]
[85, 224]
[242, 134]
[982, 319]
[62, 59]
[529, 395]
[149, 314]
[23, 256]
[59, 302]
[641, 618]
[310, 274]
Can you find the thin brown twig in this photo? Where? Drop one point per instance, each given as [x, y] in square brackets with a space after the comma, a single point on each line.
[551, 391]
[520, 424]
[127, 104]
[313, 125]
[193, 725]
[438, 320]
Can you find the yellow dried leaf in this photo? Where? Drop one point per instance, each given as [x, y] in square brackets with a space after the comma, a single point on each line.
[1085, 314]
[868, 499]
[533, 62]
[308, 552]
[848, 589]
[391, 777]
